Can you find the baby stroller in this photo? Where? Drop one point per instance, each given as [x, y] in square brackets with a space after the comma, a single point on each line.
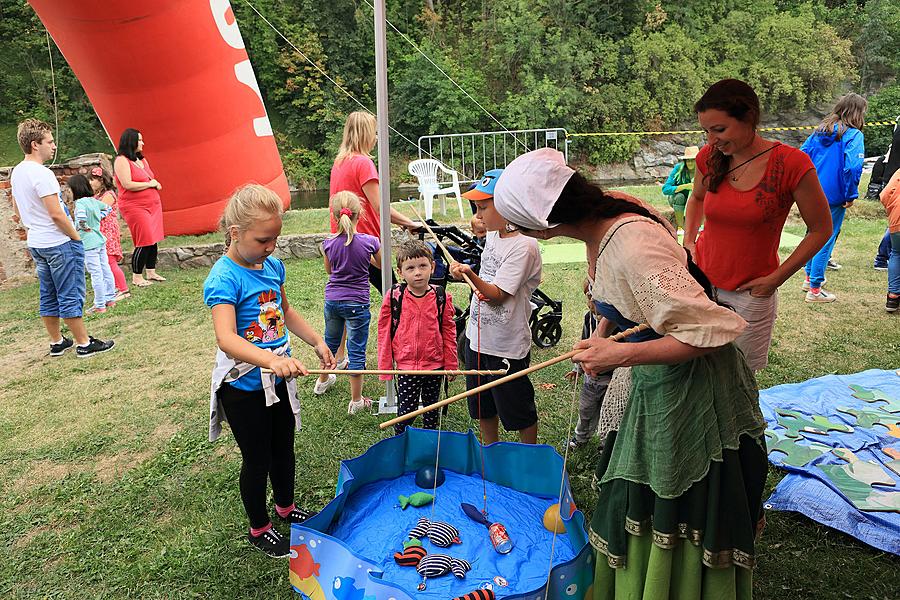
[546, 313]
[885, 166]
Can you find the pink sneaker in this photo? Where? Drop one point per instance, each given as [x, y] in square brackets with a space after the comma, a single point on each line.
[95, 311]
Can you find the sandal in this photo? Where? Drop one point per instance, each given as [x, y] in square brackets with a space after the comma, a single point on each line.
[142, 283]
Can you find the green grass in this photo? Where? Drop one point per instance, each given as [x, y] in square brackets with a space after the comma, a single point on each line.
[111, 490]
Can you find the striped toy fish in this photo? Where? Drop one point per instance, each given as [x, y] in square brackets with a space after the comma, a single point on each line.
[441, 534]
[410, 557]
[477, 595]
[435, 565]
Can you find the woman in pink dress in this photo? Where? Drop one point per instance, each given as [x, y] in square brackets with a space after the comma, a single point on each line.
[104, 190]
[140, 206]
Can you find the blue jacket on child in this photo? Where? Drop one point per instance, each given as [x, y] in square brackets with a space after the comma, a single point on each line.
[838, 162]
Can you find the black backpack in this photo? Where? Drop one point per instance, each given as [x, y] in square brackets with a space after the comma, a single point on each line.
[440, 296]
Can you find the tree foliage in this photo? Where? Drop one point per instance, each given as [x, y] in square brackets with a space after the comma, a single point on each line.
[586, 65]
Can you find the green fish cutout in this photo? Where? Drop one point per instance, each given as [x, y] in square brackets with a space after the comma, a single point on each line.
[418, 499]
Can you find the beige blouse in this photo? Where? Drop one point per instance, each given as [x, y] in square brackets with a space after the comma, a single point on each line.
[642, 271]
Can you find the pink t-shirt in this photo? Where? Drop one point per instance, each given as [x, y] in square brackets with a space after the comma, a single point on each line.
[350, 175]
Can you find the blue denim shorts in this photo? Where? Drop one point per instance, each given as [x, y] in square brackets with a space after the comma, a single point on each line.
[60, 271]
[356, 317]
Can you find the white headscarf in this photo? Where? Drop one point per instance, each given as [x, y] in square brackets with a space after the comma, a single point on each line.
[529, 187]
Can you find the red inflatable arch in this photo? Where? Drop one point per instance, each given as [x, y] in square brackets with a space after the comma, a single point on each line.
[177, 71]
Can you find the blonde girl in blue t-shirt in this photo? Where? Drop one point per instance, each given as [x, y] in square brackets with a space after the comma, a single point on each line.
[251, 317]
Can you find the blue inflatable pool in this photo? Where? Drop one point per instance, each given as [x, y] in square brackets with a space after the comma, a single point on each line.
[346, 552]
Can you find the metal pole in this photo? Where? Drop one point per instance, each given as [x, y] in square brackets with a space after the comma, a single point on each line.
[388, 404]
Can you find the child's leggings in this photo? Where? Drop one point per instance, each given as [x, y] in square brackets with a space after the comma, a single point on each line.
[409, 389]
[265, 436]
[102, 281]
[118, 273]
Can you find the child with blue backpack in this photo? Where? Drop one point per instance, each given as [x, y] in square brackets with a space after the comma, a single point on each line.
[89, 211]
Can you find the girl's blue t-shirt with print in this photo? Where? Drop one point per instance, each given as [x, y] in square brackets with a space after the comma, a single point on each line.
[256, 297]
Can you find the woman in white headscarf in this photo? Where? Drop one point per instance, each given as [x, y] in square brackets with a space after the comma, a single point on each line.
[681, 482]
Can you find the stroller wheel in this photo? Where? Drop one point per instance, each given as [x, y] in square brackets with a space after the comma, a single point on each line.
[546, 332]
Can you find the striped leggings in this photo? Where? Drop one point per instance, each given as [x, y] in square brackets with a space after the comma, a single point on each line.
[143, 257]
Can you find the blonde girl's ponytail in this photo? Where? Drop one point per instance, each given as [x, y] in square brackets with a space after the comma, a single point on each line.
[345, 206]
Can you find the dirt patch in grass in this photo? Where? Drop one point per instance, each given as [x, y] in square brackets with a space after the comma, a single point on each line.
[44, 472]
[109, 467]
[26, 538]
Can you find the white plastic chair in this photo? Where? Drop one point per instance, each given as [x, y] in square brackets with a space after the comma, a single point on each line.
[426, 171]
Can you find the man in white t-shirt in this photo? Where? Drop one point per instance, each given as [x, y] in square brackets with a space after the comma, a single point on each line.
[53, 242]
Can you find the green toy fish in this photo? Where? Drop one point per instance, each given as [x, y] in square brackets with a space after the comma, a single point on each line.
[418, 499]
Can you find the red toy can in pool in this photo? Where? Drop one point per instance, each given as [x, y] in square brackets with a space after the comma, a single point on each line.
[500, 539]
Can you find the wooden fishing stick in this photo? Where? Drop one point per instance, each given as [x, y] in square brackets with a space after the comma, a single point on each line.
[443, 248]
[568, 355]
[401, 372]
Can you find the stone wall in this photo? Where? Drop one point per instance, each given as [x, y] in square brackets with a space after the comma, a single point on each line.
[289, 246]
[15, 260]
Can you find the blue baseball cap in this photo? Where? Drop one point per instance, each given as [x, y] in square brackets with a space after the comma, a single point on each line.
[484, 189]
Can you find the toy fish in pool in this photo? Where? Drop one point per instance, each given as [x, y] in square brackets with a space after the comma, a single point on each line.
[418, 499]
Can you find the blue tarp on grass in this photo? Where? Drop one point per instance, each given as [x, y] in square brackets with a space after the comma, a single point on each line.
[807, 489]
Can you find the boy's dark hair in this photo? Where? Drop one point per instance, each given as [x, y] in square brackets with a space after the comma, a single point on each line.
[80, 186]
[128, 144]
[413, 249]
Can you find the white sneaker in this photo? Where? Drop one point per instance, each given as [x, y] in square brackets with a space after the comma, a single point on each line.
[322, 386]
[343, 364]
[357, 405]
[822, 296]
[805, 286]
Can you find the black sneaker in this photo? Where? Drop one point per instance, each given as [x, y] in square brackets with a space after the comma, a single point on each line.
[60, 348]
[297, 515]
[94, 346]
[272, 543]
[574, 444]
[892, 304]
[880, 266]
[833, 266]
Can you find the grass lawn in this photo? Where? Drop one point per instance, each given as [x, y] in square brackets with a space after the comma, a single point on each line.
[111, 489]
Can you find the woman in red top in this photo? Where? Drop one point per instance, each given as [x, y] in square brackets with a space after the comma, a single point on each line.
[140, 205]
[744, 194]
[354, 171]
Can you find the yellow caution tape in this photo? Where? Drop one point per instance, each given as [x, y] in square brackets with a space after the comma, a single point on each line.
[698, 131]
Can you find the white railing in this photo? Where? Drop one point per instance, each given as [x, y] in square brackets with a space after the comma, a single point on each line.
[471, 154]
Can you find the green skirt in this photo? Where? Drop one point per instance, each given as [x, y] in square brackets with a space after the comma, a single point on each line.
[676, 518]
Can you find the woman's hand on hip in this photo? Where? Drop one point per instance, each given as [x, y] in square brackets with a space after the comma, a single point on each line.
[761, 287]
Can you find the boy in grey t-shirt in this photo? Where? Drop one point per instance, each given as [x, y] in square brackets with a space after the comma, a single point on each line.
[498, 330]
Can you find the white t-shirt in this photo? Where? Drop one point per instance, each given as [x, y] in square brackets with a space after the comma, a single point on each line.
[514, 265]
[31, 182]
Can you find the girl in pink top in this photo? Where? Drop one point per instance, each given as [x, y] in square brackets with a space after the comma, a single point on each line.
[104, 190]
[140, 206]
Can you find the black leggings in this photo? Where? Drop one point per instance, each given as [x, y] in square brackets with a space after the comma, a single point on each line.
[265, 436]
[143, 256]
[409, 389]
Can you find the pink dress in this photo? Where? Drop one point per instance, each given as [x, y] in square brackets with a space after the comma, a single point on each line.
[109, 227]
[142, 210]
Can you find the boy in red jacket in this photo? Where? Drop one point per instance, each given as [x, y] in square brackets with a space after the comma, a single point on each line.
[416, 332]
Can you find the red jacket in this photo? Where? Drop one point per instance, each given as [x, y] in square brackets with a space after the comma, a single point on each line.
[418, 343]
